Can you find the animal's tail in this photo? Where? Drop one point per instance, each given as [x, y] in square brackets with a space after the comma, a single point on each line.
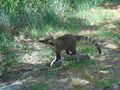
[89, 40]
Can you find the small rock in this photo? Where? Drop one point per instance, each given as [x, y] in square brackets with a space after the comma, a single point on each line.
[104, 72]
[111, 46]
[79, 82]
[14, 86]
[113, 87]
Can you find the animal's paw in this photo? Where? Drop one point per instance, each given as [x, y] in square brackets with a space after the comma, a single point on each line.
[51, 64]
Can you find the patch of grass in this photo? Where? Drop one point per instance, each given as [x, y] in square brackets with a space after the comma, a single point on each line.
[117, 57]
[95, 15]
[47, 55]
[86, 4]
[89, 49]
[40, 86]
[117, 23]
[107, 82]
[46, 31]
[73, 64]
[105, 33]
[9, 53]
[51, 73]
[32, 32]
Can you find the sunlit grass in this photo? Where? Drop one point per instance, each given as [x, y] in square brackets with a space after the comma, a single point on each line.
[49, 54]
[95, 15]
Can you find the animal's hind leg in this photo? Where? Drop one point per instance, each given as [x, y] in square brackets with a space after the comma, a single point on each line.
[67, 51]
[73, 50]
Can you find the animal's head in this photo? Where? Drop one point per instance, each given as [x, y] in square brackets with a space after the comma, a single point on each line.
[48, 41]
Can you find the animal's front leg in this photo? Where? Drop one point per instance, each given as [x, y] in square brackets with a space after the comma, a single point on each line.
[58, 57]
[52, 62]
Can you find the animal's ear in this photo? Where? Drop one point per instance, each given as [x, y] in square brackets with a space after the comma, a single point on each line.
[51, 42]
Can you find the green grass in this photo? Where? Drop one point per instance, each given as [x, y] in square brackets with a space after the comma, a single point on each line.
[88, 49]
[9, 54]
[94, 15]
[117, 57]
[106, 82]
[40, 86]
[117, 23]
[104, 33]
[51, 73]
